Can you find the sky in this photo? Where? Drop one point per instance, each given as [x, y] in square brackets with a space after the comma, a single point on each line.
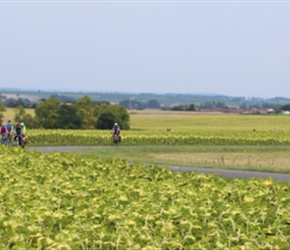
[233, 48]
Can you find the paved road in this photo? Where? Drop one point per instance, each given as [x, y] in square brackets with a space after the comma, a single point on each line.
[221, 172]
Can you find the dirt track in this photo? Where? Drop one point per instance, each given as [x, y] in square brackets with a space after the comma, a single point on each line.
[221, 172]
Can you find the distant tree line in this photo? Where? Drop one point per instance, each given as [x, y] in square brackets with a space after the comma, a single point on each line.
[63, 98]
[259, 105]
[285, 107]
[133, 104]
[13, 103]
[51, 113]
[190, 107]
[63, 112]
[212, 105]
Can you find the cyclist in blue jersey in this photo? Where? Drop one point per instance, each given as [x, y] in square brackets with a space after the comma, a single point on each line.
[10, 128]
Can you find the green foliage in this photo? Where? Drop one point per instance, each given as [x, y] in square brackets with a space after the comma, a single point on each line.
[213, 104]
[285, 107]
[105, 120]
[63, 98]
[177, 108]
[26, 103]
[68, 117]
[50, 114]
[119, 113]
[47, 112]
[153, 104]
[132, 104]
[191, 107]
[22, 116]
[61, 201]
[2, 109]
[85, 111]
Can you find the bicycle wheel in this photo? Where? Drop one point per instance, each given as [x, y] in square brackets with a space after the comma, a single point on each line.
[115, 139]
[9, 141]
[3, 139]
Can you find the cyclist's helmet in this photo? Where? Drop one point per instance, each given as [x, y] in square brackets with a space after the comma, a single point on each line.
[116, 124]
[22, 124]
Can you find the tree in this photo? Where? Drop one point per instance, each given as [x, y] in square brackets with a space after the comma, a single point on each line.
[116, 113]
[63, 98]
[68, 117]
[191, 107]
[132, 104]
[105, 121]
[47, 112]
[153, 104]
[22, 116]
[285, 107]
[19, 114]
[177, 108]
[85, 110]
[2, 109]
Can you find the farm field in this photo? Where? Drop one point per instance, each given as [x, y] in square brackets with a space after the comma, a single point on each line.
[253, 158]
[63, 201]
[204, 121]
[255, 142]
[99, 199]
[9, 113]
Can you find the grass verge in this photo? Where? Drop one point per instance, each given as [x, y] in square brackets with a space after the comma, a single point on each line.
[254, 158]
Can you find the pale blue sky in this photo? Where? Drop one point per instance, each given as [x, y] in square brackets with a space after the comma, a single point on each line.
[235, 48]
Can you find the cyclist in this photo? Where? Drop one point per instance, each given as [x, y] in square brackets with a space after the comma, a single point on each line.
[116, 133]
[116, 129]
[23, 131]
[18, 134]
[10, 128]
[23, 127]
[3, 132]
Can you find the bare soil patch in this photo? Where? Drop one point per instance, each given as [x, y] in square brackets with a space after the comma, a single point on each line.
[274, 160]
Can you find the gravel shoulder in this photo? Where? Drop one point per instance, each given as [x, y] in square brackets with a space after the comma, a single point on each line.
[221, 172]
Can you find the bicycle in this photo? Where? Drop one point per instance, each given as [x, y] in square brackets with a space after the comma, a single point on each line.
[9, 141]
[17, 142]
[3, 140]
[116, 138]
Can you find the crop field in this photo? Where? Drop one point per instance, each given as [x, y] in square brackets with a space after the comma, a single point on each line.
[207, 121]
[131, 137]
[9, 113]
[63, 201]
[179, 128]
[255, 142]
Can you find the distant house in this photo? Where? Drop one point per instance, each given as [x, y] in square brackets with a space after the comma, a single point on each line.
[259, 111]
[265, 110]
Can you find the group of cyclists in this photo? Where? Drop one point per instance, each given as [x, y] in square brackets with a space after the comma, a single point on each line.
[17, 134]
[13, 135]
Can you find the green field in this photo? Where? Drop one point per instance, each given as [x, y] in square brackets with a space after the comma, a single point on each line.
[9, 114]
[255, 142]
[66, 202]
[254, 158]
[99, 199]
[202, 121]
